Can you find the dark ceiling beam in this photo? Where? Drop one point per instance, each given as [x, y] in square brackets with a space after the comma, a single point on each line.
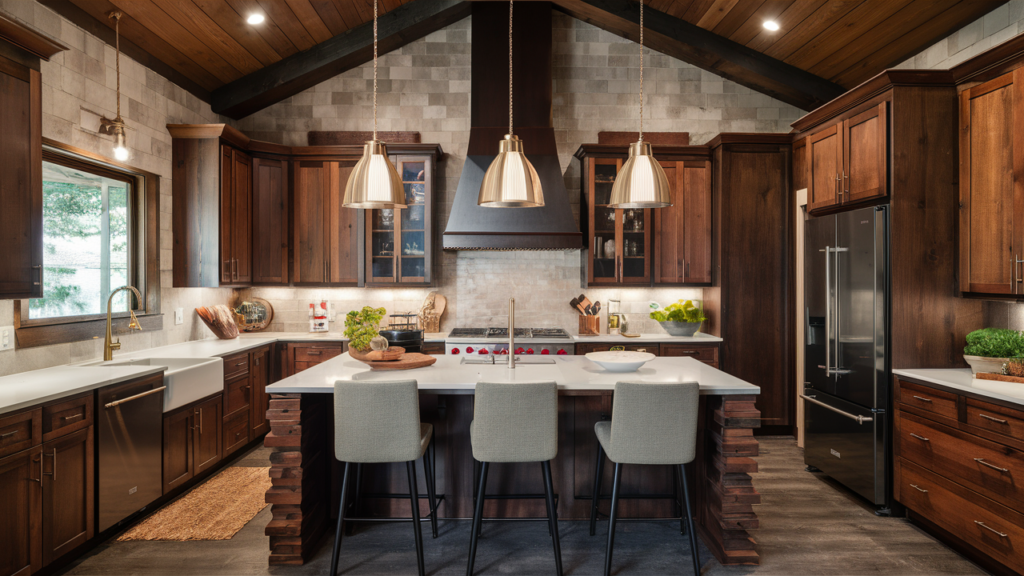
[707, 50]
[296, 73]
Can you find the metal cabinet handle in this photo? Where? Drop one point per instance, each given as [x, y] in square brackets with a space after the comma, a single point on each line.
[135, 397]
[54, 472]
[918, 488]
[922, 438]
[70, 418]
[992, 466]
[839, 187]
[8, 434]
[242, 363]
[200, 420]
[990, 529]
[314, 352]
[987, 417]
[922, 399]
[40, 479]
[234, 269]
[846, 178]
[641, 349]
[39, 271]
[1016, 268]
[860, 419]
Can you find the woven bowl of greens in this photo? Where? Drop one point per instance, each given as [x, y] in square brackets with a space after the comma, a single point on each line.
[681, 318]
[989, 349]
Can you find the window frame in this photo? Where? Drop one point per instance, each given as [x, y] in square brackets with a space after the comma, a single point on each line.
[143, 254]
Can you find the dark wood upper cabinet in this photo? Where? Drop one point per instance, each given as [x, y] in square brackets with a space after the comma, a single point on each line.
[992, 186]
[326, 238]
[847, 162]
[21, 185]
[682, 232]
[399, 243]
[270, 219]
[235, 216]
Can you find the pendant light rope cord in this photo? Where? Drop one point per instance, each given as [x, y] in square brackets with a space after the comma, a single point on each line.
[641, 70]
[374, 69]
[510, 67]
[117, 59]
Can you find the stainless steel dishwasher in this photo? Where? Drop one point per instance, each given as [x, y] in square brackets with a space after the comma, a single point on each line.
[129, 444]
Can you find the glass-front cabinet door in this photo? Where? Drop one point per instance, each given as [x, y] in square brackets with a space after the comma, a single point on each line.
[619, 239]
[399, 241]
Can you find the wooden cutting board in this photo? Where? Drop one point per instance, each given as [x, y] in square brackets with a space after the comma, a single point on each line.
[408, 361]
[999, 377]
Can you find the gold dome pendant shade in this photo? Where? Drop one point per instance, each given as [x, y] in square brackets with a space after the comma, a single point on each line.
[374, 183]
[511, 181]
[641, 183]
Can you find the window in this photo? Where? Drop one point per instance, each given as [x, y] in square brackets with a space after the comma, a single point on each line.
[101, 230]
[86, 239]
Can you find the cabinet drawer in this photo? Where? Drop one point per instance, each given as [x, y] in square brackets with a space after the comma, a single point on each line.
[67, 416]
[236, 431]
[706, 354]
[21, 430]
[235, 365]
[236, 394]
[995, 418]
[994, 470]
[583, 349]
[316, 354]
[937, 401]
[982, 523]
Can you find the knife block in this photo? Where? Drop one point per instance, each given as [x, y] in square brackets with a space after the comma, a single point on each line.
[590, 325]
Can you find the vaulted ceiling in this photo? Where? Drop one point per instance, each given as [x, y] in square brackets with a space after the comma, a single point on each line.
[822, 47]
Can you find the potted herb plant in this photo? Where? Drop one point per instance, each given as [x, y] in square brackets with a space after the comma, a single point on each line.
[362, 327]
[681, 318]
[989, 349]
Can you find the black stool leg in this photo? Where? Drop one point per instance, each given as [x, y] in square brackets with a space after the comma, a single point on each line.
[611, 521]
[477, 468]
[428, 472]
[549, 493]
[598, 468]
[689, 516]
[341, 521]
[353, 504]
[478, 513]
[679, 501]
[414, 496]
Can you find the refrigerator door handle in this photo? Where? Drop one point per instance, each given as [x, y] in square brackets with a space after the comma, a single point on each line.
[839, 316]
[828, 310]
[860, 419]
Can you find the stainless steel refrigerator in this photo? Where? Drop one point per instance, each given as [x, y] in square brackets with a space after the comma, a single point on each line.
[846, 389]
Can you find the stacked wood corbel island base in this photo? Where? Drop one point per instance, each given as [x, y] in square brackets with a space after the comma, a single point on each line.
[306, 477]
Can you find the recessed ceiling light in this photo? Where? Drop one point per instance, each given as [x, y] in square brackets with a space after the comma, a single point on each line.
[771, 25]
[258, 19]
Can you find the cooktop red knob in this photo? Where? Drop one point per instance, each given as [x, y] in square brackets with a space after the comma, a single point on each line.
[469, 349]
[545, 351]
[529, 351]
[483, 351]
[455, 350]
[503, 351]
[562, 352]
[519, 350]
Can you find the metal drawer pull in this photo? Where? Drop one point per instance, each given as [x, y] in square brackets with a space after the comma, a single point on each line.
[923, 399]
[990, 529]
[313, 352]
[992, 466]
[40, 479]
[860, 419]
[54, 473]
[68, 418]
[8, 434]
[987, 417]
[920, 437]
[136, 397]
[918, 488]
[242, 363]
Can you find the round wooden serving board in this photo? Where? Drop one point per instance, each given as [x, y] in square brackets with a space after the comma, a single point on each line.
[408, 361]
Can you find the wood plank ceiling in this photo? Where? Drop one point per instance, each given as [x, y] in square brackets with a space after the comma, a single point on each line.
[209, 43]
[845, 41]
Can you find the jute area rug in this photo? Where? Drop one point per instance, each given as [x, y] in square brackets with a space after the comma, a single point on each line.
[214, 510]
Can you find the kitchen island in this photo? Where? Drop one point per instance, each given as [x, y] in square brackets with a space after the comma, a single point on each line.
[305, 476]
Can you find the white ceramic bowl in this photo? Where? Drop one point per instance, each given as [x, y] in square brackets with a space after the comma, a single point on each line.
[620, 360]
[985, 364]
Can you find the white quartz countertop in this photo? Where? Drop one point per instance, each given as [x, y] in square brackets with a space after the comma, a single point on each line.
[449, 375]
[620, 339]
[26, 389]
[961, 380]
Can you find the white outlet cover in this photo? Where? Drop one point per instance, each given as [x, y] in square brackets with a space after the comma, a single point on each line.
[179, 315]
[6, 337]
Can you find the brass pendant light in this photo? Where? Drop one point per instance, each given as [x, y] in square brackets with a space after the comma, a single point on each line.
[511, 181]
[116, 127]
[641, 183]
[374, 183]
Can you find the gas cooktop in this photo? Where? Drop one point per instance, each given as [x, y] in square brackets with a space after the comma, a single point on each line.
[503, 333]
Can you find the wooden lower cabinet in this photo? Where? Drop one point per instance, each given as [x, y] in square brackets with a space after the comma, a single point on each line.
[259, 379]
[582, 349]
[433, 348]
[68, 493]
[192, 440]
[300, 356]
[956, 459]
[706, 353]
[236, 431]
[21, 508]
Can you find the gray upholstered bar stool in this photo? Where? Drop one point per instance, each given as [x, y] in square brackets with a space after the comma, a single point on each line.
[652, 423]
[515, 422]
[379, 422]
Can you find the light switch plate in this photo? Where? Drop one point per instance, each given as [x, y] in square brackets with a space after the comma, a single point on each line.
[179, 315]
[6, 337]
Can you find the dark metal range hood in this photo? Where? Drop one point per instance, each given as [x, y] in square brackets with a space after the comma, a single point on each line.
[470, 226]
